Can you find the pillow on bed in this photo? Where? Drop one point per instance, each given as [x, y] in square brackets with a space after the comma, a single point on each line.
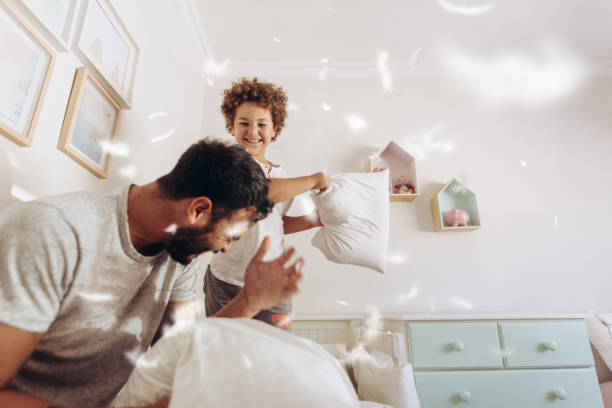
[236, 363]
[599, 328]
[341, 353]
[387, 385]
[338, 350]
[370, 404]
[354, 212]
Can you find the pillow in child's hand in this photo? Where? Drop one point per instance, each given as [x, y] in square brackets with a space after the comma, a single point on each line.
[354, 212]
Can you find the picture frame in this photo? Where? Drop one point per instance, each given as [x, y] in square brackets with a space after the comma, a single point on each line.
[105, 46]
[90, 124]
[54, 19]
[26, 64]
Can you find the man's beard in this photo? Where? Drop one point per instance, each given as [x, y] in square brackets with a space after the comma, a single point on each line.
[189, 241]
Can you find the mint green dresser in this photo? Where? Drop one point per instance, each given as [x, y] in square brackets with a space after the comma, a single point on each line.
[503, 364]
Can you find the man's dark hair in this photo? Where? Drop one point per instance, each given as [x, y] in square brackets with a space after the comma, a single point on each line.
[227, 174]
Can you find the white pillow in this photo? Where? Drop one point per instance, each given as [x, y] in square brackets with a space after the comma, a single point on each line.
[361, 355]
[387, 385]
[237, 363]
[600, 335]
[381, 360]
[370, 404]
[355, 213]
[339, 351]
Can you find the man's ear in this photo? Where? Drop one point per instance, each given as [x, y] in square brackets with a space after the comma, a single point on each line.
[199, 210]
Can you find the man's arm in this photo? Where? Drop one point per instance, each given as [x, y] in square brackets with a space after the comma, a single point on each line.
[265, 283]
[283, 189]
[15, 347]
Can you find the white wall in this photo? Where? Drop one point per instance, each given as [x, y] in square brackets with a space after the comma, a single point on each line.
[168, 79]
[521, 261]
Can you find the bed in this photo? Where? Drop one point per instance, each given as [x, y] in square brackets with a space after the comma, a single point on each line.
[376, 360]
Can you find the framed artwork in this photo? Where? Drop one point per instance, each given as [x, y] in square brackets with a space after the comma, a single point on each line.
[26, 62]
[55, 19]
[105, 46]
[90, 124]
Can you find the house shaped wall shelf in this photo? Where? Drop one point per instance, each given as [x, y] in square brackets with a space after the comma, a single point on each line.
[400, 163]
[454, 195]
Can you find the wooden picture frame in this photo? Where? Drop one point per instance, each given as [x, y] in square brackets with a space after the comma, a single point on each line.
[90, 125]
[25, 70]
[105, 46]
[55, 20]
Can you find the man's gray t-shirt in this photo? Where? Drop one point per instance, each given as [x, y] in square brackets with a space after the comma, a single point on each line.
[68, 268]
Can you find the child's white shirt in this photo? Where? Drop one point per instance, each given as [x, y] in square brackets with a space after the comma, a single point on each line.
[230, 266]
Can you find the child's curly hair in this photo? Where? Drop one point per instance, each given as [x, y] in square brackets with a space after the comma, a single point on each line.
[265, 94]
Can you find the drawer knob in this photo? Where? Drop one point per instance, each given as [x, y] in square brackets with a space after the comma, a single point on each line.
[559, 393]
[550, 345]
[464, 396]
[457, 345]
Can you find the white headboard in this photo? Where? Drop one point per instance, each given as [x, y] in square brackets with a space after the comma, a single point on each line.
[323, 331]
[351, 333]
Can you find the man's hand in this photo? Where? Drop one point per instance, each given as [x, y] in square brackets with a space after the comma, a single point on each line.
[267, 283]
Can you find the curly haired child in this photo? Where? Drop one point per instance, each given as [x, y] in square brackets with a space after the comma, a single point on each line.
[255, 114]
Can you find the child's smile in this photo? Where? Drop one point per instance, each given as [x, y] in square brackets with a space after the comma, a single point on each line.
[253, 141]
[253, 129]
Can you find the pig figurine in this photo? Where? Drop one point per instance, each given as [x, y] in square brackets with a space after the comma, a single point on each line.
[456, 218]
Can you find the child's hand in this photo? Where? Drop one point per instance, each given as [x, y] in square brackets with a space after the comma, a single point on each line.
[321, 181]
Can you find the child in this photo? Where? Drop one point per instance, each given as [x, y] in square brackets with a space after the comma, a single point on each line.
[255, 114]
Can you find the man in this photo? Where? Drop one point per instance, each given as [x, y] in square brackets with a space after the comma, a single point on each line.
[86, 279]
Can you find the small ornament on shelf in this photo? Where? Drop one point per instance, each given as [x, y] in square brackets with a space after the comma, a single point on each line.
[402, 186]
[456, 218]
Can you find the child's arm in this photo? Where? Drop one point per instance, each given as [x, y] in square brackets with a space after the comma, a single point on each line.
[283, 189]
[297, 224]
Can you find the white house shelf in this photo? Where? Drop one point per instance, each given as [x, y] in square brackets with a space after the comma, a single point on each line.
[454, 195]
[400, 163]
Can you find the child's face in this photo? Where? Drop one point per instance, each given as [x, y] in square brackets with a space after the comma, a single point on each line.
[253, 128]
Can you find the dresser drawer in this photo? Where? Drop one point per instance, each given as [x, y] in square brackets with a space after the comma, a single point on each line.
[472, 389]
[569, 388]
[546, 344]
[455, 345]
